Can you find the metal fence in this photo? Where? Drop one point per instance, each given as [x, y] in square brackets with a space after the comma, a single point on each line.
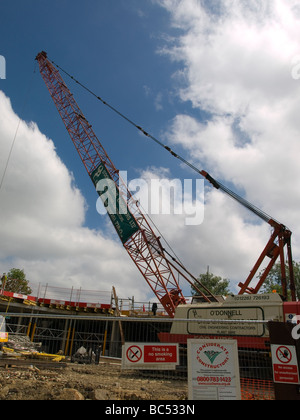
[104, 336]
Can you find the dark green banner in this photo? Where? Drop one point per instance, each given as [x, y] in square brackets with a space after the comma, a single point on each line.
[115, 205]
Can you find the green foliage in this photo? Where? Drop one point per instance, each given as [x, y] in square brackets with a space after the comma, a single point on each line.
[16, 282]
[217, 285]
[273, 281]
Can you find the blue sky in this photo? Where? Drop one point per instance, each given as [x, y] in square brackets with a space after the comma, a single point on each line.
[111, 46]
[211, 79]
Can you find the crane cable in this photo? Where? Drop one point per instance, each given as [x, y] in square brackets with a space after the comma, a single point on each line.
[27, 94]
[218, 185]
[176, 259]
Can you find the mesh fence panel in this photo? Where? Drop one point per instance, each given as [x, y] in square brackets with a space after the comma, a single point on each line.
[103, 337]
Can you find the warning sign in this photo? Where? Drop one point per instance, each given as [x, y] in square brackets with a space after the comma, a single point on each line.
[285, 364]
[134, 354]
[160, 354]
[213, 370]
[150, 356]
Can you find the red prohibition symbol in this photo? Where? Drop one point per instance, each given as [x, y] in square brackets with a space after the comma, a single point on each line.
[284, 355]
[134, 354]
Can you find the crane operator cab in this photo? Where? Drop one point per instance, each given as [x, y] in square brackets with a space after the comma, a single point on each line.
[3, 333]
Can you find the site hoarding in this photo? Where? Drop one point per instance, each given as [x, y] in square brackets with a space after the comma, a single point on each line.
[213, 370]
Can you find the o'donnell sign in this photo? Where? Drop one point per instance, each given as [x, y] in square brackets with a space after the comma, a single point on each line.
[213, 370]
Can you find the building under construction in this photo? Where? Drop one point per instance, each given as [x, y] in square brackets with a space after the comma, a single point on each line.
[65, 325]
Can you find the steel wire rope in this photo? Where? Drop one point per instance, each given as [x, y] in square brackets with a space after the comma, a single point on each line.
[26, 97]
[132, 123]
[162, 236]
[218, 185]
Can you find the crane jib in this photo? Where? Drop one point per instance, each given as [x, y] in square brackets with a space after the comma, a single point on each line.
[105, 178]
[116, 207]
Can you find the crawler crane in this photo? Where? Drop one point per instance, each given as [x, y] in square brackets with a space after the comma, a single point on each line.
[160, 270]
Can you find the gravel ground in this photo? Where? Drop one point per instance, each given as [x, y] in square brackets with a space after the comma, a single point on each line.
[105, 381]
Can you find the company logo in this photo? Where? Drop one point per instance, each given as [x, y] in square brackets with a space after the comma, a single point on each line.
[213, 356]
[153, 196]
[2, 67]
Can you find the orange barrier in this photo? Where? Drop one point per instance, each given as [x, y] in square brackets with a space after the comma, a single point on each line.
[255, 389]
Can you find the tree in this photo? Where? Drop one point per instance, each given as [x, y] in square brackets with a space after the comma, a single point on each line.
[273, 281]
[215, 284]
[16, 282]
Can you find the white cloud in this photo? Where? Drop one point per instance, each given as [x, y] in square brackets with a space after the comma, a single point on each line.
[42, 217]
[237, 58]
[223, 239]
[236, 65]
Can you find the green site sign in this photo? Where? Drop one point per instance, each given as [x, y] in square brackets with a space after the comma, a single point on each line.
[114, 203]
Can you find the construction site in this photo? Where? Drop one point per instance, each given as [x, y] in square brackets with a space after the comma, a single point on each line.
[73, 347]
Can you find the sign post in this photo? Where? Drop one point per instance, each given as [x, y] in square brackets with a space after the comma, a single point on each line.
[285, 360]
[213, 370]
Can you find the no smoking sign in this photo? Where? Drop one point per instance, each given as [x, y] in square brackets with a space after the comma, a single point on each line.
[150, 356]
[134, 354]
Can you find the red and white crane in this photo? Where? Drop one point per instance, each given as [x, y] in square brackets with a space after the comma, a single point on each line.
[160, 270]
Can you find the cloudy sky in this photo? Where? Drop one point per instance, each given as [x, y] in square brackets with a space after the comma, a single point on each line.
[218, 81]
